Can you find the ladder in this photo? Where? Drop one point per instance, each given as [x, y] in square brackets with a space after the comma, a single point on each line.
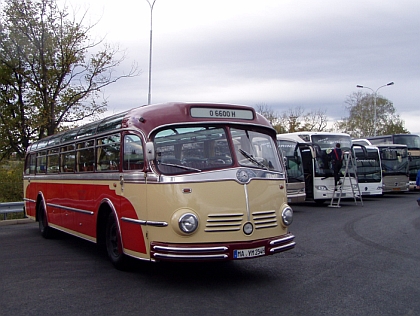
[349, 161]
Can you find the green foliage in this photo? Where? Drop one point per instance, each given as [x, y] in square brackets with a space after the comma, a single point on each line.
[11, 181]
[361, 120]
[47, 76]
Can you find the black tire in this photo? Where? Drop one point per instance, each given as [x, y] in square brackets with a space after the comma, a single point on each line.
[113, 244]
[44, 229]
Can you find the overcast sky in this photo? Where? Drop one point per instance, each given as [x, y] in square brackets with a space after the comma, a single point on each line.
[281, 53]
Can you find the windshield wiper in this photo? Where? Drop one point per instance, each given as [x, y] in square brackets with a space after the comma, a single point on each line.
[179, 166]
[252, 159]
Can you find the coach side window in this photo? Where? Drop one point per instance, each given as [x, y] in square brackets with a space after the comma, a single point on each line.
[85, 156]
[133, 153]
[52, 162]
[30, 164]
[41, 162]
[108, 153]
[68, 158]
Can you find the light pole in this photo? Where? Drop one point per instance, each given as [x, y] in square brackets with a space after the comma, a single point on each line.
[375, 94]
[149, 96]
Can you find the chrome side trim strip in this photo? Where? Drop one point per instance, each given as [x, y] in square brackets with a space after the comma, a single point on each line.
[142, 222]
[135, 221]
[157, 224]
[70, 209]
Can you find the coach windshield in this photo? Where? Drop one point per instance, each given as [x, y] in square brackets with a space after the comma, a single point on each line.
[199, 148]
[192, 149]
[255, 150]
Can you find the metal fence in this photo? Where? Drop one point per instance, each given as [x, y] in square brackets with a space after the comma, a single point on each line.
[11, 207]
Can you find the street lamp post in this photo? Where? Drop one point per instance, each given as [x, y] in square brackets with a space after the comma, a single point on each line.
[375, 94]
[149, 96]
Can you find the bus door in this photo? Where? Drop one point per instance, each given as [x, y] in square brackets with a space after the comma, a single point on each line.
[308, 155]
[133, 213]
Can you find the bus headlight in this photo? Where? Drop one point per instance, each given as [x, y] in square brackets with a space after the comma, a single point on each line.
[188, 223]
[287, 216]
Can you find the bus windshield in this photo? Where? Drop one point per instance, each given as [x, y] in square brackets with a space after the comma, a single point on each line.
[325, 143]
[394, 160]
[329, 141]
[255, 149]
[412, 141]
[189, 149]
[368, 165]
[292, 160]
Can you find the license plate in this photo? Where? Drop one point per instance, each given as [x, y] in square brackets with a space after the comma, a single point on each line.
[396, 189]
[248, 253]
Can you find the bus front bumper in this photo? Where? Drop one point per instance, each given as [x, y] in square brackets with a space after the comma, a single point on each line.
[221, 251]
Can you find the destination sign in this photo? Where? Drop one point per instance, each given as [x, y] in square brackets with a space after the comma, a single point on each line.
[222, 113]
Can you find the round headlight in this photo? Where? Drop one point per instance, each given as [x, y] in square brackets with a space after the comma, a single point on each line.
[287, 216]
[188, 223]
[248, 228]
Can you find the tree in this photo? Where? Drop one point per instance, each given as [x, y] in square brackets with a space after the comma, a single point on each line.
[360, 122]
[290, 119]
[294, 119]
[46, 76]
[315, 121]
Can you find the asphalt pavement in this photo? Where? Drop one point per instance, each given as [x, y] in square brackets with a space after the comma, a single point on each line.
[352, 260]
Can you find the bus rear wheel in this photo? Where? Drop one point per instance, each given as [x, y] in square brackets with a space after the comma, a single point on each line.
[113, 243]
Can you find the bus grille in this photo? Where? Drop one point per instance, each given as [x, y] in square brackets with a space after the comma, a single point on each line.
[233, 222]
[266, 219]
[224, 222]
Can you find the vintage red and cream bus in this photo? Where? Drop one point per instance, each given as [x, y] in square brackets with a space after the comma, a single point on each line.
[173, 181]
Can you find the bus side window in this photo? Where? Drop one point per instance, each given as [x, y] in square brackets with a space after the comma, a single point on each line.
[52, 161]
[108, 153]
[133, 153]
[85, 156]
[41, 163]
[68, 159]
[30, 164]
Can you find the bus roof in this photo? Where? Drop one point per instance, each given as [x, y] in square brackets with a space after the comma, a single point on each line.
[396, 146]
[149, 117]
[301, 137]
[362, 141]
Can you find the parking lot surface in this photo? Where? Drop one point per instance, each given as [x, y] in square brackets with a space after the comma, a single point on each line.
[352, 260]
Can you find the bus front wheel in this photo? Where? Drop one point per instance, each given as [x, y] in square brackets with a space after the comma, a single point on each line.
[44, 229]
[113, 243]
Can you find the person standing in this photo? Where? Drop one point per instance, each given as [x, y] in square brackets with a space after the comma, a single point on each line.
[337, 162]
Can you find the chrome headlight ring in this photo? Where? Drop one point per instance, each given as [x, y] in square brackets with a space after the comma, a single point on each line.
[188, 223]
[287, 216]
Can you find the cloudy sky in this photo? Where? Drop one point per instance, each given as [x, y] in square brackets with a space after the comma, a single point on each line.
[281, 53]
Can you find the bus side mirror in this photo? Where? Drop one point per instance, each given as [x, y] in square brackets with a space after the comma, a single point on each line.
[150, 151]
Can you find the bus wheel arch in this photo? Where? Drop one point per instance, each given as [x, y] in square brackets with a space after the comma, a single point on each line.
[113, 241]
[102, 218]
[41, 216]
[109, 235]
